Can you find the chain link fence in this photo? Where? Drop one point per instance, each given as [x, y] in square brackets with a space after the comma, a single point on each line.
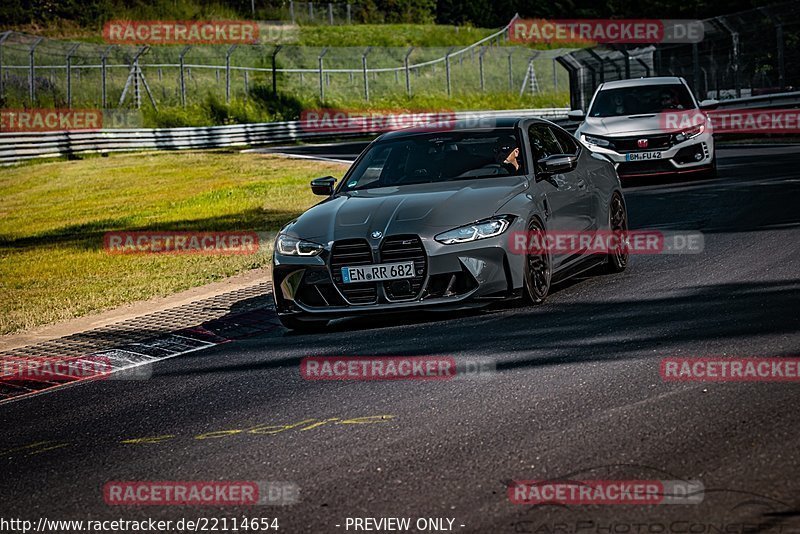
[745, 54]
[36, 72]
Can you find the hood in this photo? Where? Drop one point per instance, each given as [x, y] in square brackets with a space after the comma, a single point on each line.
[625, 125]
[422, 209]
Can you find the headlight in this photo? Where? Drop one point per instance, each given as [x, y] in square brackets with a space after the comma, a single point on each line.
[589, 140]
[690, 133]
[472, 232]
[291, 246]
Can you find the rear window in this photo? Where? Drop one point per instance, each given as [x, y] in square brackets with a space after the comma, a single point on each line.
[641, 100]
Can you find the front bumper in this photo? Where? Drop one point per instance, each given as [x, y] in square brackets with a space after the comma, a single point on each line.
[450, 277]
[693, 155]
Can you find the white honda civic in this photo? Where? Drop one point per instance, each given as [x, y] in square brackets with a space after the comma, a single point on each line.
[649, 127]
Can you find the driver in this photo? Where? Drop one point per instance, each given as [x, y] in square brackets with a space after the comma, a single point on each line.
[506, 153]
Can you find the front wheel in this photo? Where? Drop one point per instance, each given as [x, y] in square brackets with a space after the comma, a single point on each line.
[538, 268]
[617, 260]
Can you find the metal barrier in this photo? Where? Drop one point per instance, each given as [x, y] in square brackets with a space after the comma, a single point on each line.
[15, 147]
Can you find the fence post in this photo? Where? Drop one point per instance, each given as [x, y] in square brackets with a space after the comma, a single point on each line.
[275, 69]
[408, 73]
[311, 11]
[2, 40]
[321, 77]
[778, 23]
[291, 10]
[555, 76]
[735, 42]
[510, 74]
[228, 73]
[447, 69]
[480, 66]
[330, 13]
[253, 8]
[696, 69]
[364, 69]
[70, 52]
[182, 75]
[32, 71]
[348, 13]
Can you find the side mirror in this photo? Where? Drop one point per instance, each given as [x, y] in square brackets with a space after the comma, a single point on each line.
[576, 115]
[709, 104]
[557, 163]
[323, 186]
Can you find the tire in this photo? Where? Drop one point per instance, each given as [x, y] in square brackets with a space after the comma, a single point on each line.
[617, 261]
[298, 325]
[538, 268]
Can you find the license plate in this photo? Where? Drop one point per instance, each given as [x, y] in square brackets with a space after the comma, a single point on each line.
[378, 273]
[643, 156]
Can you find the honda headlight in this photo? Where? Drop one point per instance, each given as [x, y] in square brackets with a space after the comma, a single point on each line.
[472, 232]
[291, 246]
[597, 141]
[690, 133]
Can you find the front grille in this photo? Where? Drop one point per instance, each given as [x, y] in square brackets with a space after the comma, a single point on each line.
[404, 248]
[631, 144]
[349, 253]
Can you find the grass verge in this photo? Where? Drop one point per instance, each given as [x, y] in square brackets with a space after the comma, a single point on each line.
[53, 265]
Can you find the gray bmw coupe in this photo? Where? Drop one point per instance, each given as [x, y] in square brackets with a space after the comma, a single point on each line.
[424, 218]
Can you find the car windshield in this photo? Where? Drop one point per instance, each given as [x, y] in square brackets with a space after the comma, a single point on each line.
[641, 100]
[436, 157]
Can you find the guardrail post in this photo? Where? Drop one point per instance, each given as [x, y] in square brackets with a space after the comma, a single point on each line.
[321, 77]
[182, 75]
[69, 74]
[364, 70]
[735, 42]
[408, 73]
[3, 38]
[32, 71]
[275, 69]
[228, 73]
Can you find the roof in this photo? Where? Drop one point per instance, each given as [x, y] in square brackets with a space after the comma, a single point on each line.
[636, 82]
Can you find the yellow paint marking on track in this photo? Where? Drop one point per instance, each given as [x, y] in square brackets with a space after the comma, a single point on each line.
[57, 446]
[319, 423]
[24, 447]
[263, 429]
[154, 439]
[218, 434]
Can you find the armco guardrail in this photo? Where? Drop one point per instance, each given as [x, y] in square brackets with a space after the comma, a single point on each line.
[17, 146]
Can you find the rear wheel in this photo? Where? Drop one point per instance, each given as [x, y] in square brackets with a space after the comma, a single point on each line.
[538, 268]
[299, 325]
[617, 260]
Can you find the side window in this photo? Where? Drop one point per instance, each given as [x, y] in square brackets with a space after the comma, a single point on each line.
[543, 143]
[567, 142]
